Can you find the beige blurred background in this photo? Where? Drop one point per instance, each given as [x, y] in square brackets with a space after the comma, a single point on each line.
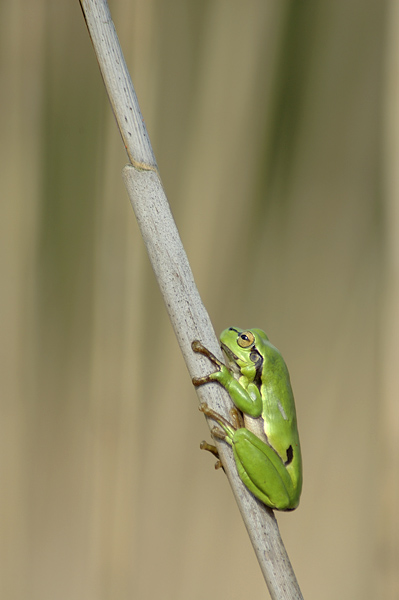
[275, 127]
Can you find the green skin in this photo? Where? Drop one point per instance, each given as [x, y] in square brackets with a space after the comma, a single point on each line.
[272, 471]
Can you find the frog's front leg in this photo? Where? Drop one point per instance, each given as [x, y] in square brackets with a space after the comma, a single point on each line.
[200, 349]
[250, 404]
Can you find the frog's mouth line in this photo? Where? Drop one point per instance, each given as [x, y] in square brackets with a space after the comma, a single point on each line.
[232, 360]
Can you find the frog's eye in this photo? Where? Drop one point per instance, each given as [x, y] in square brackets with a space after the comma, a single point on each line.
[245, 339]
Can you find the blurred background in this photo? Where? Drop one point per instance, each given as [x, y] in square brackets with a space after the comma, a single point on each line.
[275, 127]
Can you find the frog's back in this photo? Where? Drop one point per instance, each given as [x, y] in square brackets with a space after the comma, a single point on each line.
[279, 413]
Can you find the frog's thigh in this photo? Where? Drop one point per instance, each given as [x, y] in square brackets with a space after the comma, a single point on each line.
[261, 469]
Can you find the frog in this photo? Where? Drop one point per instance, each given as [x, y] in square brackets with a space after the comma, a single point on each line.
[263, 432]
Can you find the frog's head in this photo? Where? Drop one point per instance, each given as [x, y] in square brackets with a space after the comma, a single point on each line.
[243, 350]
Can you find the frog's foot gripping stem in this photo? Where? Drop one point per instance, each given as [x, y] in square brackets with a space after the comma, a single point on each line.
[200, 349]
[209, 448]
[236, 417]
[212, 414]
[213, 450]
[218, 433]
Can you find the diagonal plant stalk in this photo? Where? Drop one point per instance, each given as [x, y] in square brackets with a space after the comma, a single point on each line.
[188, 315]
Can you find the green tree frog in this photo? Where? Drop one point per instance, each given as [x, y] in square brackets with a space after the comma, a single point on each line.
[258, 382]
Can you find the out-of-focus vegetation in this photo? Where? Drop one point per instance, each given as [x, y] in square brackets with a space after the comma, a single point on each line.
[275, 127]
